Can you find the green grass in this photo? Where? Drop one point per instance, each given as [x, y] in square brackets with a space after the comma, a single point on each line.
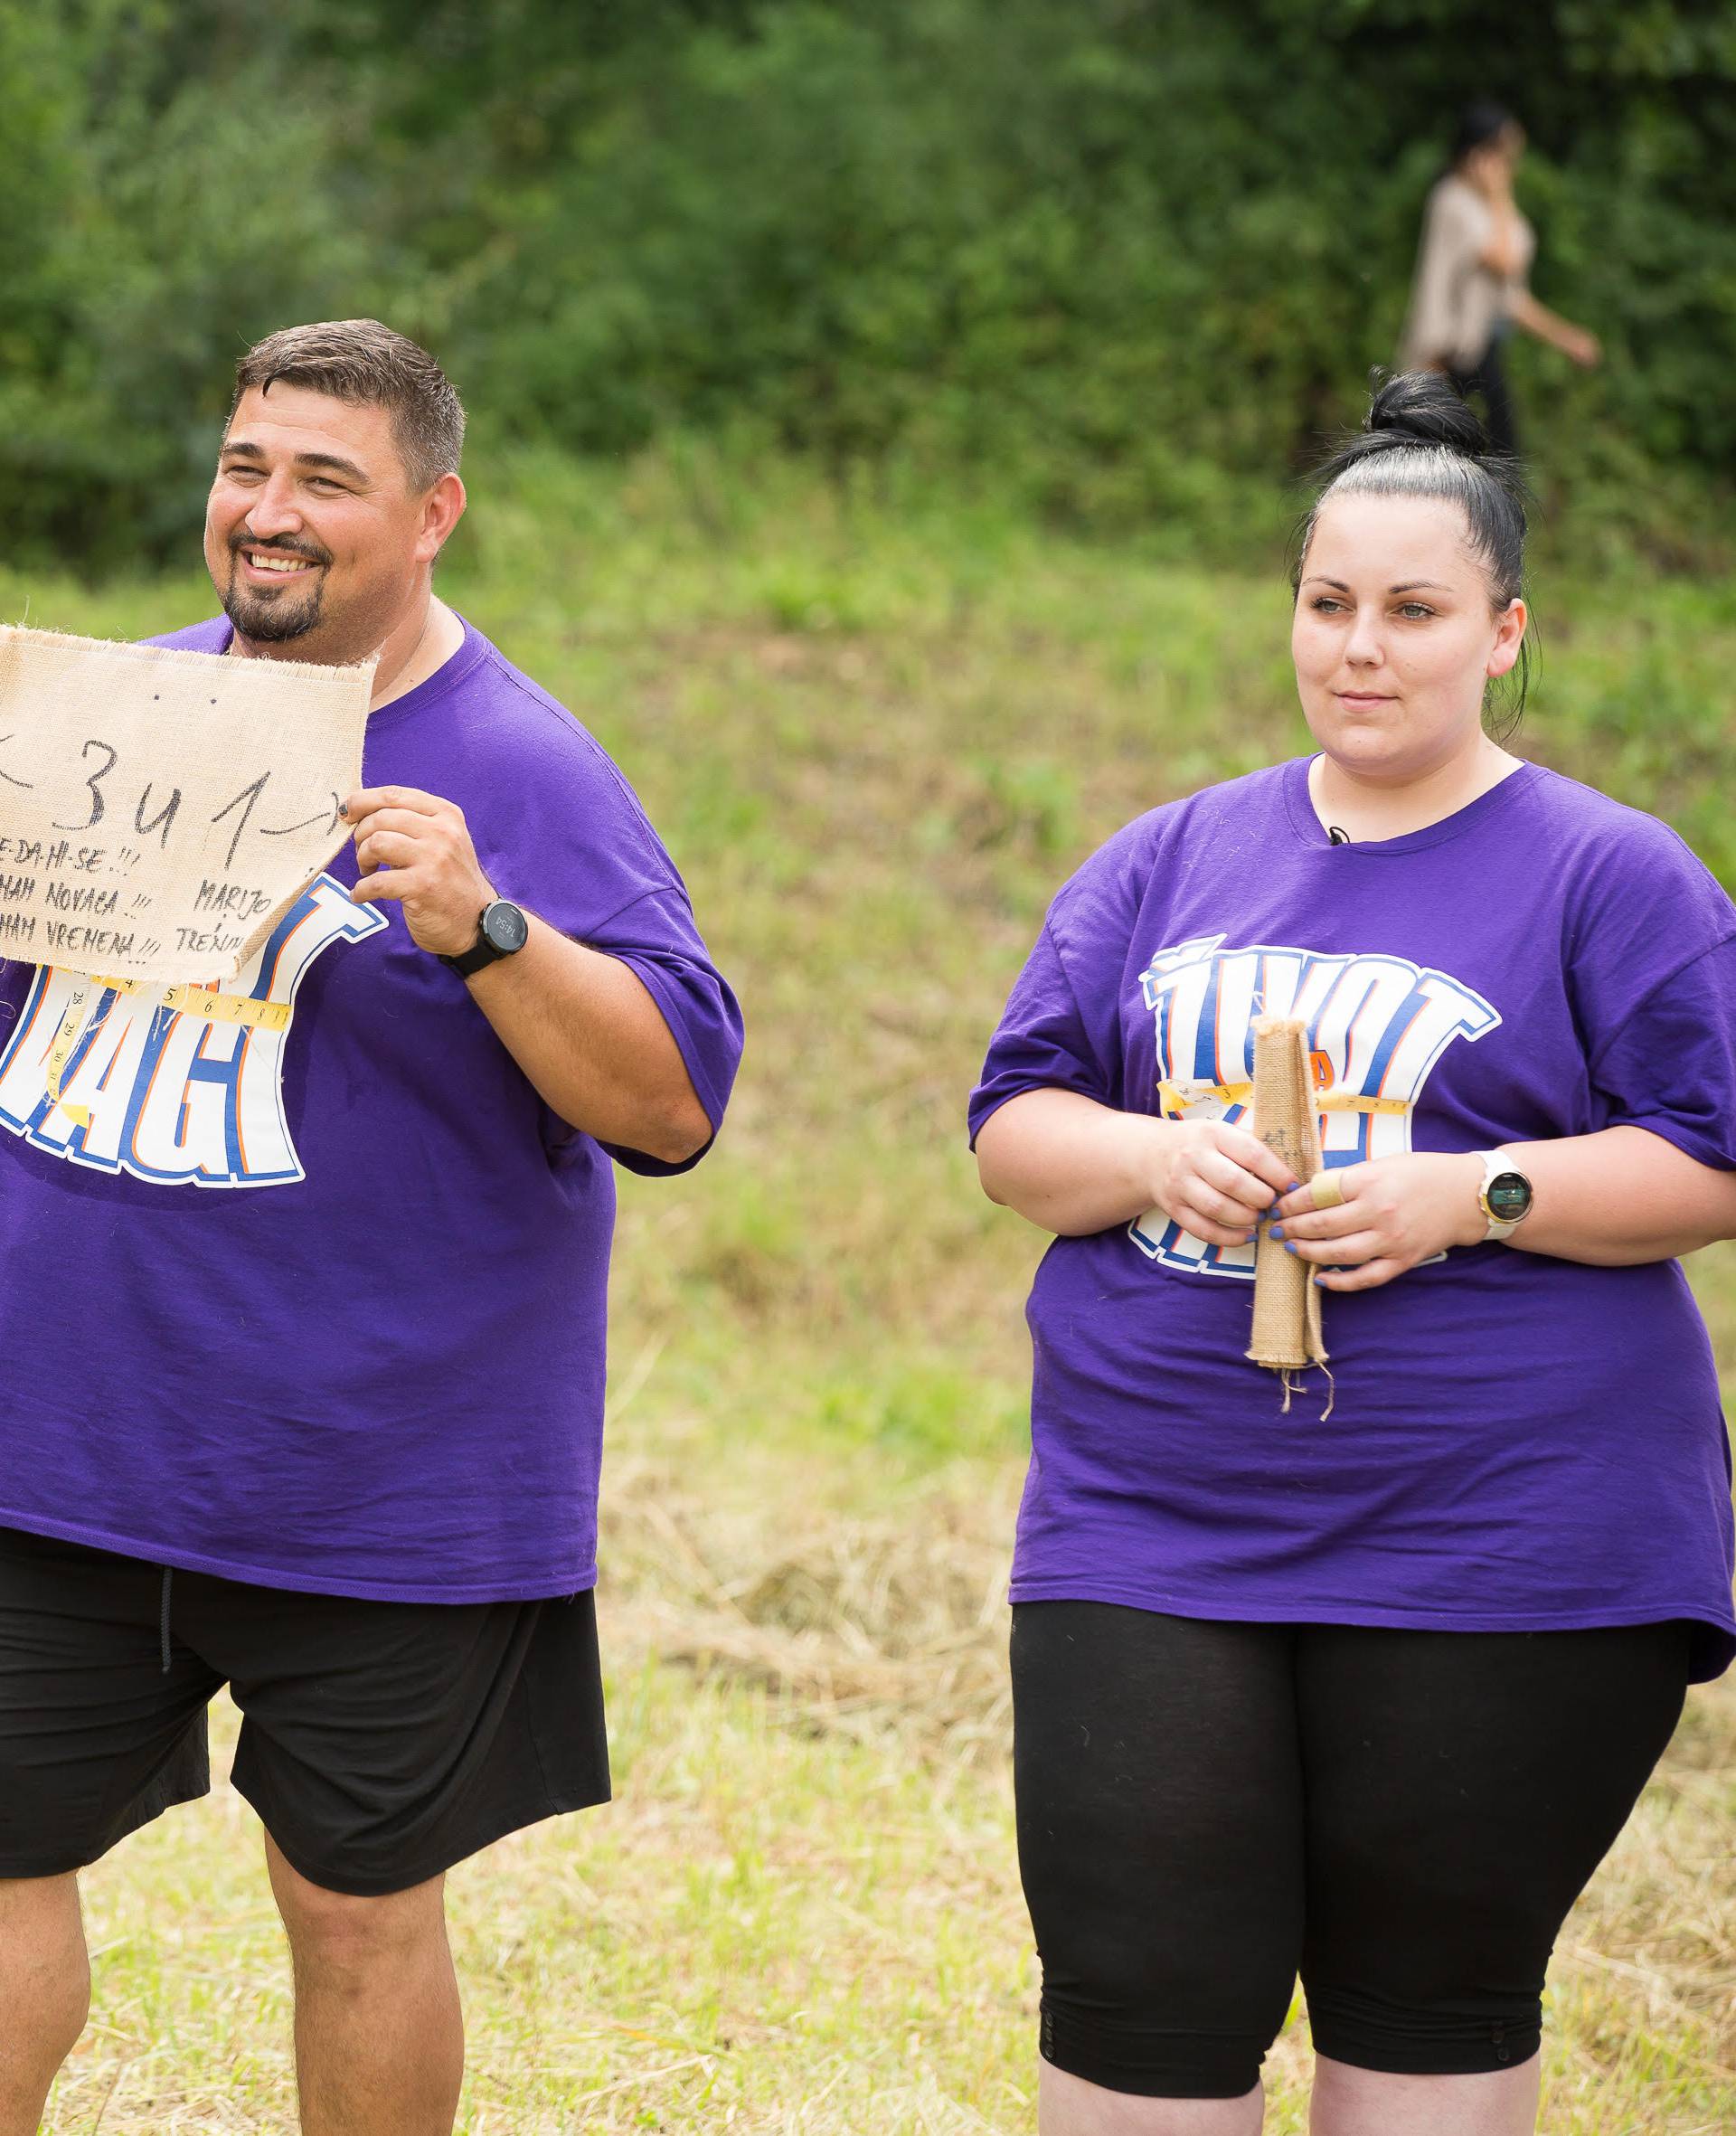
[876, 739]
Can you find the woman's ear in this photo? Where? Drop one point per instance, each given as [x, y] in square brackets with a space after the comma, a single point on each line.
[1509, 636]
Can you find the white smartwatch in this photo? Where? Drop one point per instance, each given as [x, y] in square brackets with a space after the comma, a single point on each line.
[1505, 1196]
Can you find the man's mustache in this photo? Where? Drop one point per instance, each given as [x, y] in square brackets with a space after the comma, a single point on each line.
[280, 545]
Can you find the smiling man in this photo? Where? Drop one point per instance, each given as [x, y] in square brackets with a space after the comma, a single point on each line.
[321, 1415]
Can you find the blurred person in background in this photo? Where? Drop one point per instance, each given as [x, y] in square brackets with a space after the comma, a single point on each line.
[1365, 1697]
[1471, 286]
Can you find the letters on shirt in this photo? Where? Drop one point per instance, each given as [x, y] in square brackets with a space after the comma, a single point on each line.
[179, 1086]
[1377, 1024]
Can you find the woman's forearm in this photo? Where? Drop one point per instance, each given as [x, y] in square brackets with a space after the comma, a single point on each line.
[1613, 1199]
[1076, 1167]
[1535, 319]
[1069, 1164]
[1546, 326]
[1620, 1198]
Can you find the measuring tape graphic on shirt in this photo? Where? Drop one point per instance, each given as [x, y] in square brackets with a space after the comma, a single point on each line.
[205, 1002]
[179, 1086]
[1377, 1026]
[1174, 1098]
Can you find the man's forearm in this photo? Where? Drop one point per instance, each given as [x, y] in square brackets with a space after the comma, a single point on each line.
[594, 1044]
[1620, 1197]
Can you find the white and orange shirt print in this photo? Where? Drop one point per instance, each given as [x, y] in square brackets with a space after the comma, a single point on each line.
[1377, 1025]
[176, 1085]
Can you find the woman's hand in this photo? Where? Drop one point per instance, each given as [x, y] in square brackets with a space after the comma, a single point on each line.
[1216, 1181]
[1396, 1212]
[1580, 346]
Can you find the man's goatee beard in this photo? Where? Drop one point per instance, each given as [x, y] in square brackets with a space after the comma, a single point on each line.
[262, 623]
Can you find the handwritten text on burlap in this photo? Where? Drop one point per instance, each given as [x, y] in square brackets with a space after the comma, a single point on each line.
[160, 808]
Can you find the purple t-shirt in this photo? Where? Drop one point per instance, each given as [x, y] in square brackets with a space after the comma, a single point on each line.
[310, 1291]
[1517, 1442]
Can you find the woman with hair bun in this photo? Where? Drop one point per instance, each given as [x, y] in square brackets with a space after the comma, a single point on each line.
[1365, 1696]
[1471, 286]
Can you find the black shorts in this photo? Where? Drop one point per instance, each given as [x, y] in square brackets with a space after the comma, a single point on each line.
[381, 1742]
[1205, 1809]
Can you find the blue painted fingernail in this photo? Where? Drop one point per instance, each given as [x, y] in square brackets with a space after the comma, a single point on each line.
[1290, 1246]
[1293, 1188]
[1277, 1231]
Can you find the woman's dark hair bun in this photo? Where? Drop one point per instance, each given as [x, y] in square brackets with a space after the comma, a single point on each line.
[1421, 408]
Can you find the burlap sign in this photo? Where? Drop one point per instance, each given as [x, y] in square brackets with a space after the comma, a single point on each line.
[160, 809]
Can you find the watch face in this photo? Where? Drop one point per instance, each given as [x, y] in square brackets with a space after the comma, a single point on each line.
[1508, 1195]
[504, 928]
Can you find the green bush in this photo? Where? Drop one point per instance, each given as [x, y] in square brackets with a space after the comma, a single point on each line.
[1122, 260]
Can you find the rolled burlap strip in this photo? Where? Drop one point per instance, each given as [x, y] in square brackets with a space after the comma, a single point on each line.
[1287, 1336]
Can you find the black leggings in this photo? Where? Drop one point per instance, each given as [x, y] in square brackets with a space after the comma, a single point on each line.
[1405, 1817]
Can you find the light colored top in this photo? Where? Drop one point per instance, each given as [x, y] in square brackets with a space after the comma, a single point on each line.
[1456, 303]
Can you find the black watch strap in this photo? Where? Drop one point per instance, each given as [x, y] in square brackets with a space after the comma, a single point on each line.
[502, 930]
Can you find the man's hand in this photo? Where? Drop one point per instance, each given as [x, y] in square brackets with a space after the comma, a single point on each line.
[1396, 1212]
[415, 849]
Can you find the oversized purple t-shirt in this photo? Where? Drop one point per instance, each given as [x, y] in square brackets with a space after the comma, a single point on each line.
[310, 1291]
[1517, 1442]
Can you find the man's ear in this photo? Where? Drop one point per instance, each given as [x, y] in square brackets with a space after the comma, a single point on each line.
[442, 508]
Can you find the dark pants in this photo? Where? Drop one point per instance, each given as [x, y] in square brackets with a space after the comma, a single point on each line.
[1487, 380]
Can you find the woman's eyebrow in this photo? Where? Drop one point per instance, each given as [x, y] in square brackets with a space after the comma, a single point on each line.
[1408, 586]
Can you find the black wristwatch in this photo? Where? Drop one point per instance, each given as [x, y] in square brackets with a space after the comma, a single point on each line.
[502, 930]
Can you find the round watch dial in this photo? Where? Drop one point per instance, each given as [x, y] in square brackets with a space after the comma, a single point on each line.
[1508, 1195]
[504, 928]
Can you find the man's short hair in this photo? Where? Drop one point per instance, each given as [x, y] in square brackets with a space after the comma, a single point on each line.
[366, 364]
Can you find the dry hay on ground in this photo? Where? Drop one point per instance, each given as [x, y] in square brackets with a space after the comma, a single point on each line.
[852, 1623]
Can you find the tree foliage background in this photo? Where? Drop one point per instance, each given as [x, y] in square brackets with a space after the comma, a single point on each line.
[1121, 259]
